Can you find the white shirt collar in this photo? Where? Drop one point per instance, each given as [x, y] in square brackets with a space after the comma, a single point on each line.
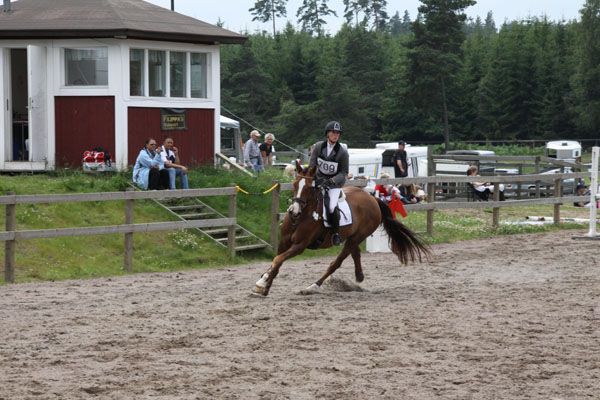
[329, 148]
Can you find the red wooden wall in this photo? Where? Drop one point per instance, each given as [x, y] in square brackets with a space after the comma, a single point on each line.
[196, 144]
[82, 123]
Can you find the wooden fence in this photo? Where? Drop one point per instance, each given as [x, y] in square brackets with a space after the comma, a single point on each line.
[11, 235]
[431, 182]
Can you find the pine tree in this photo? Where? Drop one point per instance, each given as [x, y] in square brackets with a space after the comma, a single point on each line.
[435, 53]
[311, 13]
[353, 8]
[268, 10]
[586, 81]
[376, 10]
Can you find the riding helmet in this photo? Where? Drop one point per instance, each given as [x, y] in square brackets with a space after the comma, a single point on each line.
[333, 126]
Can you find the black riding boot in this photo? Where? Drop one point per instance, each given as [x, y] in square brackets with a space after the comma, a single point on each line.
[334, 221]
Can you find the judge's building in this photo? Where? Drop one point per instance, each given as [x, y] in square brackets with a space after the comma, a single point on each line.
[79, 74]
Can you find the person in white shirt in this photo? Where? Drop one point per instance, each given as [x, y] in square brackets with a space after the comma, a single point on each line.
[170, 156]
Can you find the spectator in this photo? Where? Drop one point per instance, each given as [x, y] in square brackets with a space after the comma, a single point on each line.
[582, 191]
[394, 193]
[149, 171]
[485, 188]
[381, 190]
[170, 157]
[409, 194]
[266, 150]
[252, 156]
[400, 161]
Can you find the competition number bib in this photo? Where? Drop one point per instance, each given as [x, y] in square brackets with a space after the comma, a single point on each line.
[327, 167]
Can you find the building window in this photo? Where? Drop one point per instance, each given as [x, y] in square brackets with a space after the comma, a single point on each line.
[136, 72]
[187, 73]
[198, 75]
[157, 73]
[177, 68]
[86, 67]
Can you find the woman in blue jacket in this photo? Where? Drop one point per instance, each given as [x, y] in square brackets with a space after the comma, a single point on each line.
[149, 171]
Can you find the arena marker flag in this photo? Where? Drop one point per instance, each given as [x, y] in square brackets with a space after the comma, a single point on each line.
[397, 207]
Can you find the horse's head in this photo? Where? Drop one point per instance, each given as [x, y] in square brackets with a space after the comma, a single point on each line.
[304, 188]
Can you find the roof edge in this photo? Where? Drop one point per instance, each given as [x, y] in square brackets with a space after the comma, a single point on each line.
[122, 34]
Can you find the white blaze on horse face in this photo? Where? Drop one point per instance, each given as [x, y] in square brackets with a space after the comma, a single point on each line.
[301, 184]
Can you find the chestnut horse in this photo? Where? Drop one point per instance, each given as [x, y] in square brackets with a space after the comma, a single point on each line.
[303, 227]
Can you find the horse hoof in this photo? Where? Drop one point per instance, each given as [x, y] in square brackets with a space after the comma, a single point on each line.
[360, 277]
[312, 289]
[259, 291]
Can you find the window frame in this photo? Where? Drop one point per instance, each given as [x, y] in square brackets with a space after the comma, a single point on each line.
[64, 68]
[167, 90]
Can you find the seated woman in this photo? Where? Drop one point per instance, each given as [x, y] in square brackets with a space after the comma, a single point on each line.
[381, 190]
[485, 188]
[409, 193]
[149, 171]
[582, 191]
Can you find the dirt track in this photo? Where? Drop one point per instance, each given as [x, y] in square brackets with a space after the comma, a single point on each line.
[506, 318]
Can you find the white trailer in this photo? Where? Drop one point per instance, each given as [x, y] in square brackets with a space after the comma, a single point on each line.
[565, 150]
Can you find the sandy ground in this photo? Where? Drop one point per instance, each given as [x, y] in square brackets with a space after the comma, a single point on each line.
[514, 317]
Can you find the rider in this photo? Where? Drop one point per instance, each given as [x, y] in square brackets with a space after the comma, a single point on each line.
[332, 160]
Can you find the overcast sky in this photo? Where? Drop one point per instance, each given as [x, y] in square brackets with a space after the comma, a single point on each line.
[235, 14]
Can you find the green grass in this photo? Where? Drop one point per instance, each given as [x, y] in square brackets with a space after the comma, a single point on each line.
[101, 256]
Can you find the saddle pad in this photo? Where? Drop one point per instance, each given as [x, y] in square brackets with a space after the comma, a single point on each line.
[345, 214]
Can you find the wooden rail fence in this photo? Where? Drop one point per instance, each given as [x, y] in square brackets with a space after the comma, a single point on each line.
[431, 205]
[11, 235]
[11, 200]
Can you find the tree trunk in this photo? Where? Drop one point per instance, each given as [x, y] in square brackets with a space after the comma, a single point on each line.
[273, 15]
[446, 133]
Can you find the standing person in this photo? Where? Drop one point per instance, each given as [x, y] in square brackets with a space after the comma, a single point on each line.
[170, 157]
[266, 150]
[400, 161]
[149, 171]
[252, 156]
[332, 161]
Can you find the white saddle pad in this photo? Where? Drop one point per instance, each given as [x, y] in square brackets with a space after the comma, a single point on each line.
[345, 213]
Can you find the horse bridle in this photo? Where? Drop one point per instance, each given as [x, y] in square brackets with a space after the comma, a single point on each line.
[301, 202]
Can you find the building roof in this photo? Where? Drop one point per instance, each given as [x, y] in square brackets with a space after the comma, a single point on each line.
[123, 19]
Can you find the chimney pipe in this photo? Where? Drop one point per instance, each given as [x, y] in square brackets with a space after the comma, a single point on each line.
[6, 7]
[172, 5]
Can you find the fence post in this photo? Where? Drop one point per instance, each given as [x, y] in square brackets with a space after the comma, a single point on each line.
[537, 171]
[496, 210]
[557, 193]
[430, 189]
[128, 252]
[519, 183]
[231, 230]
[275, 215]
[9, 246]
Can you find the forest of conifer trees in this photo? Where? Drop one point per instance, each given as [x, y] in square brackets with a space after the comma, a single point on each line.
[412, 79]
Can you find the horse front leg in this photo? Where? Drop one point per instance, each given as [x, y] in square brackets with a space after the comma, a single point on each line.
[263, 285]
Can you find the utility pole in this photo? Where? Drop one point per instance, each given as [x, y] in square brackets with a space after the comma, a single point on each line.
[172, 5]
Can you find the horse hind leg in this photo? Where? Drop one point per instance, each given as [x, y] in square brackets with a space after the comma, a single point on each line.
[346, 250]
[358, 272]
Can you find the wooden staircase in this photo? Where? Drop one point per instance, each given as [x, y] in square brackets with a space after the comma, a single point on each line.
[193, 208]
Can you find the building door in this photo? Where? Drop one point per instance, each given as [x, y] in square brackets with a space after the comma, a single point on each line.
[18, 116]
[37, 103]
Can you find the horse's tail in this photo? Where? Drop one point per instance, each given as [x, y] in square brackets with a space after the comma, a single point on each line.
[405, 244]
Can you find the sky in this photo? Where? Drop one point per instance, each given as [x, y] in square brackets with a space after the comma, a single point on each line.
[237, 18]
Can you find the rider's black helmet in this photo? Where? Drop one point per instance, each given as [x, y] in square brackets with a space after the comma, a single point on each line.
[333, 126]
